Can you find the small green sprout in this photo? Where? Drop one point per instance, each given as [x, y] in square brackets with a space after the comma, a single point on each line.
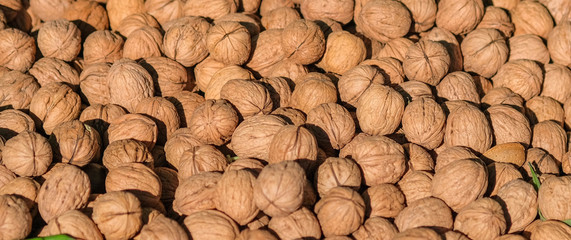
[536, 184]
[54, 237]
[231, 159]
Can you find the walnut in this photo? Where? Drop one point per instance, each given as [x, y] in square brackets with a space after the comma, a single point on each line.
[88, 15]
[76, 143]
[24, 188]
[542, 161]
[143, 43]
[162, 227]
[229, 42]
[169, 77]
[458, 86]
[299, 224]
[415, 185]
[292, 71]
[510, 237]
[303, 42]
[163, 113]
[119, 10]
[343, 51]
[313, 92]
[381, 159]
[138, 179]
[6, 176]
[332, 125]
[528, 46]
[337, 172]
[278, 190]
[67, 188]
[279, 18]
[414, 90]
[103, 46]
[383, 200]
[373, 114]
[266, 52]
[210, 9]
[248, 97]
[423, 123]
[550, 230]
[340, 11]
[557, 82]
[165, 11]
[383, 20]
[294, 143]
[506, 4]
[180, 141]
[556, 43]
[253, 136]
[185, 103]
[133, 126]
[94, 83]
[290, 115]
[17, 220]
[418, 233]
[466, 123]
[340, 204]
[375, 228]
[524, 10]
[450, 154]
[248, 234]
[235, 191]
[128, 84]
[213, 122]
[553, 192]
[395, 48]
[204, 70]
[551, 137]
[11, 8]
[426, 61]
[117, 214]
[17, 90]
[209, 224]
[497, 18]
[18, 49]
[47, 70]
[459, 192]
[222, 76]
[513, 153]
[500, 173]
[423, 13]
[186, 43]
[459, 17]
[169, 183]
[251, 164]
[449, 41]
[418, 158]
[519, 200]
[390, 68]
[425, 212]
[60, 39]
[53, 104]
[278, 89]
[503, 96]
[196, 193]
[126, 151]
[251, 22]
[73, 223]
[481, 219]
[484, 47]
[136, 21]
[267, 6]
[203, 158]
[27, 154]
[13, 122]
[48, 10]
[355, 81]
[100, 116]
[540, 108]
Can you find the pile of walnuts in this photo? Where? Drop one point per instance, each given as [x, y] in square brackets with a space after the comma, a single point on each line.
[285, 119]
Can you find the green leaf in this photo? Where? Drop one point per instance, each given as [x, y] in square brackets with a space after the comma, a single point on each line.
[231, 159]
[54, 237]
[568, 222]
[536, 182]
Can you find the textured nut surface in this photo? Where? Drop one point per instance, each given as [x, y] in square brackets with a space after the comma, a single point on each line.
[523, 77]
[299, 224]
[426, 61]
[340, 212]
[17, 90]
[211, 224]
[222, 76]
[423, 123]
[16, 218]
[138, 179]
[236, 196]
[229, 42]
[249, 97]
[556, 83]
[213, 122]
[383, 200]
[528, 46]
[196, 193]
[162, 227]
[293, 143]
[540, 108]
[279, 188]
[27, 154]
[75, 143]
[22, 45]
[381, 159]
[519, 200]
[186, 43]
[449, 41]
[383, 20]
[47, 70]
[523, 11]
[509, 125]
[303, 42]
[457, 192]
[425, 212]
[380, 116]
[484, 46]
[375, 228]
[551, 137]
[553, 192]
[556, 43]
[458, 86]
[94, 84]
[312, 92]
[337, 172]
[418, 233]
[496, 17]
[73, 223]
[163, 112]
[210, 9]
[253, 136]
[128, 83]
[332, 125]
[459, 17]
[99, 116]
[169, 77]
[499, 174]
[117, 214]
[203, 158]
[342, 52]
[143, 43]
[124, 151]
[356, 80]
[466, 123]
[103, 46]
[451, 154]
[133, 126]
[53, 104]
[59, 39]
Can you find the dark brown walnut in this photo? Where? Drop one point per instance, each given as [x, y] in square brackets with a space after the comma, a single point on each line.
[169, 77]
[279, 90]
[118, 10]
[75, 143]
[248, 234]
[100, 116]
[162, 227]
[481, 219]
[375, 228]
[383, 200]
[395, 48]
[337, 172]
[17, 90]
[6, 175]
[186, 43]
[426, 61]
[340, 11]
[47, 70]
[354, 82]
[290, 115]
[423, 14]
[556, 43]
[181, 140]
[497, 18]
[288, 69]
[340, 212]
[418, 233]
[279, 18]
[414, 90]
[553, 192]
[117, 214]
[557, 82]
[423, 123]
[250, 98]
[138, 179]
[203, 158]
[503, 96]
[136, 21]
[18, 49]
[103, 46]
[294, 143]
[500, 173]
[185, 103]
[415, 185]
[449, 41]
[94, 83]
[251, 22]
[549, 230]
[17, 220]
[418, 158]
[528, 46]
[303, 42]
[540, 108]
[299, 224]
[53, 104]
[524, 77]
[126, 151]
[551, 137]
[89, 16]
[74, 224]
[484, 47]
[278, 190]
[13, 122]
[222, 76]
[27, 154]
[253, 136]
[128, 84]
[380, 116]
[519, 202]
[458, 192]
[466, 123]
[24, 188]
[267, 51]
[229, 42]
[458, 86]
[67, 188]
[235, 192]
[211, 224]
[449, 12]
[381, 159]
[389, 67]
[213, 122]
[383, 20]
[524, 10]
[332, 125]
[169, 182]
[163, 112]
[143, 43]
[342, 52]
[59, 39]
[425, 212]
[448, 154]
[133, 126]
[165, 10]
[196, 193]
[542, 162]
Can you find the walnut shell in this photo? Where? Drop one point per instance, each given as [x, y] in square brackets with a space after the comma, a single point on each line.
[222, 76]
[169, 77]
[196, 193]
[449, 41]
[313, 92]
[337, 172]
[235, 190]
[203, 158]
[375, 228]
[53, 104]
[138, 179]
[124, 151]
[162, 227]
[278, 190]
[484, 46]
[75, 143]
[343, 52]
[294, 143]
[340, 11]
[27, 154]
[169, 182]
[185, 103]
[390, 68]
[383, 20]
[553, 192]
[550, 230]
[425, 212]
[118, 10]
[458, 86]
[248, 97]
[143, 43]
[523, 11]
[88, 15]
[383, 200]
[213, 122]
[248, 234]
[73, 223]
[204, 70]
[303, 42]
[459, 192]
[253, 165]
[459, 17]
[24, 188]
[415, 185]
[117, 214]
[466, 123]
[497, 18]
[528, 46]
[253, 136]
[165, 11]
[338, 206]
[163, 112]
[211, 224]
[557, 82]
[373, 114]
[519, 200]
[551, 137]
[423, 13]
[418, 233]
[186, 43]
[181, 140]
[509, 125]
[354, 82]
[100, 116]
[6, 175]
[48, 10]
[279, 18]
[59, 39]
[299, 224]
[381, 159]
[17, 223]
[542, 161]
[229, 42]
[103, 46]
[94, 83]
[557, 43]
[267, 50]
[267, 6]
[136, 21]
[47, 70]
[290, 115]
[540, 108]
[450, 154]
[251, 22]
[13, 122]
[210, 9]
[414, 90]
[288, 69]
[278, 89]
[418, 158]
[18, 49]
[503, 96]
[332, 125]
[426, 61]
[481, 219]
[17, 90]
[128, 84]
[11, 8]
[395, 48]
[67, 188]
[499, 174]
[133, 126]
[423, 123]
[505, 4]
